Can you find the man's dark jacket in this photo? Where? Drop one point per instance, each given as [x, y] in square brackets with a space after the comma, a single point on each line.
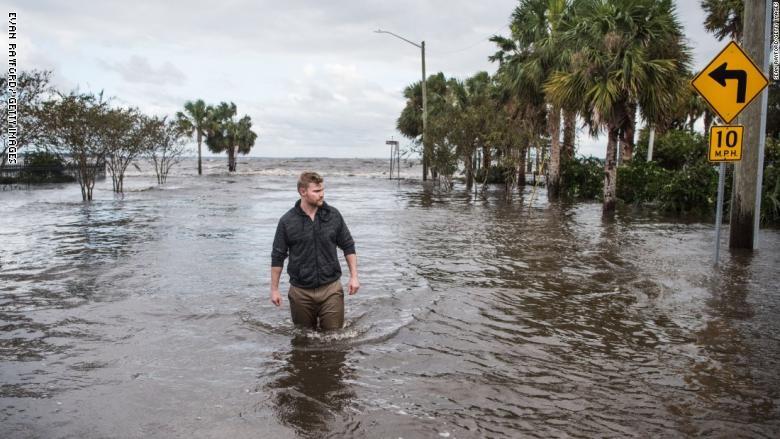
[311, 245]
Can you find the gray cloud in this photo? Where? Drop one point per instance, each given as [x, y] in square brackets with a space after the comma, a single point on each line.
[137, 69]
[313, 76]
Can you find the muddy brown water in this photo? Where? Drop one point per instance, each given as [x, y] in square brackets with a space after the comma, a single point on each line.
[148, 316]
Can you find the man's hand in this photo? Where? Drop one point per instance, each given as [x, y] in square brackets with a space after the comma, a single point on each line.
[276, 298]
[354, 285]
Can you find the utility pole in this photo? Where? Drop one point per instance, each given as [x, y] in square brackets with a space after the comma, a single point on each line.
[748, 173]
[426, 152]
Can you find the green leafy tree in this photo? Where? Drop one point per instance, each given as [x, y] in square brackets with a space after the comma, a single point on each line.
[76, 130]
[409, 122]
[32, 89]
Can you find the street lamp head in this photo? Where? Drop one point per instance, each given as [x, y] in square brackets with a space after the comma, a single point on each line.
[380, 31]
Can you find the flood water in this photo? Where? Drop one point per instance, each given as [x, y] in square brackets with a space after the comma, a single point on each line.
[148, 315]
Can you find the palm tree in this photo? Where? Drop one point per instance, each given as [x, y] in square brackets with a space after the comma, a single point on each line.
[724, 18]
[629, 53]
[538, 27]
[194, 120]
[225, 134]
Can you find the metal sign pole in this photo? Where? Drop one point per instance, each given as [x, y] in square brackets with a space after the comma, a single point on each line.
[392, 159]
[719, 210]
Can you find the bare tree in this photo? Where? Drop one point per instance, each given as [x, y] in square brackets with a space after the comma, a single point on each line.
[128, 134]
[166, 146]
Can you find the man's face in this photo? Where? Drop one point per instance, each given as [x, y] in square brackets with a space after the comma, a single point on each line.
[314, 194]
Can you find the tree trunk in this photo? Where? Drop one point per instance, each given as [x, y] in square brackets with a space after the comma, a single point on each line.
[521, 166]
[627, 141]
[487, 158]
[554, 169]
[707, 121]
[469, 164]
[610, 172]
[200, 168]
[231, 159]
[425, 160]
[569, 134]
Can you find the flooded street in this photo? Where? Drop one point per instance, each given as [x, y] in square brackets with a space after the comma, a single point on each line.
[148, 315]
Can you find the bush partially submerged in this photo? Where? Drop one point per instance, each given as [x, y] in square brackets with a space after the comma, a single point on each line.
[582, 178]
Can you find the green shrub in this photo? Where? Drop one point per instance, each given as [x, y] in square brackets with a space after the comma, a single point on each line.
[674, 149]
[678, 149]
[640, 181]
[42, 158]
[582, 178]
[770, 193]
[679, 179]
[41, 167]
[692, 189]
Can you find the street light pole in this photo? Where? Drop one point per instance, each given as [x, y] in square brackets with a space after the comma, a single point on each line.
[426, 154]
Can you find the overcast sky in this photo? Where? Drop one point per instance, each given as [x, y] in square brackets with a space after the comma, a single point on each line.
[313, 76]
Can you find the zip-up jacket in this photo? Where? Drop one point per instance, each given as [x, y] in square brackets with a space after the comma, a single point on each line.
[311, 245]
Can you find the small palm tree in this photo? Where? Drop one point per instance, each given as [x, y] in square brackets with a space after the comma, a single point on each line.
[194, 120]
[225, 134]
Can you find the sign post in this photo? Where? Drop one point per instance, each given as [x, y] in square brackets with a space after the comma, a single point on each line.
[729, 83]
[725, 146]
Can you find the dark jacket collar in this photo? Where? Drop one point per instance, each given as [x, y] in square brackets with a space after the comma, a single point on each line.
[323, 212]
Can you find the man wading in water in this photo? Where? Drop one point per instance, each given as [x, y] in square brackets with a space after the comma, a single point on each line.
[310, 232]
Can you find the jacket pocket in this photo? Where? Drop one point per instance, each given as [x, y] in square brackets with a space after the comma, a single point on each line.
[307, 274]
[331, 270]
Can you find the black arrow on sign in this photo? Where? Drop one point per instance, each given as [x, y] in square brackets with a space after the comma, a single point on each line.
[720, 75]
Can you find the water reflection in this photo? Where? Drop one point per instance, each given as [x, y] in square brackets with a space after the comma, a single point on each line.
[725, 362]
[312, 391]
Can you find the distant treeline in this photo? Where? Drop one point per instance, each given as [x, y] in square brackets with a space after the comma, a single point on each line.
[85, 133]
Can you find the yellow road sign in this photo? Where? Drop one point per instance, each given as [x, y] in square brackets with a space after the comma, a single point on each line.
[730, 82]
[726, 143]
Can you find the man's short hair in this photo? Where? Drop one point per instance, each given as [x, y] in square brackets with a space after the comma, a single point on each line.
[308, 177]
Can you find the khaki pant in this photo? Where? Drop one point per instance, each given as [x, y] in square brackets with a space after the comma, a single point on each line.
[325, 303]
